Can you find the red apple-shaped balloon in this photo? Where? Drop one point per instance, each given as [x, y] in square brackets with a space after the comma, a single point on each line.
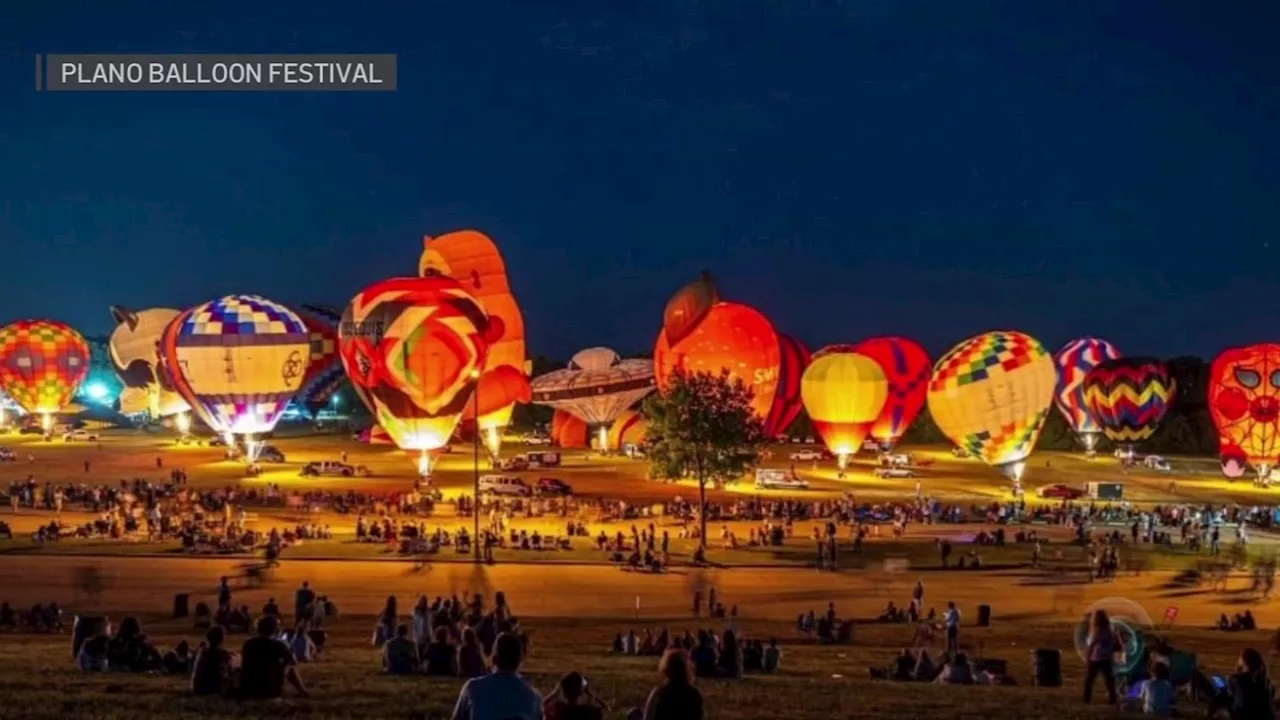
[688, 307]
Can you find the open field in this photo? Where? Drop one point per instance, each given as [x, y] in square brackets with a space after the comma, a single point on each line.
[126, 454]
[574, 608]
[573, 614]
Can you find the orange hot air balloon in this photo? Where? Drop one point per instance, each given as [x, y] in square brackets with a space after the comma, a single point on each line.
[568, 431]
[1244, 402]
[843, 393]
[627, 429]
[733, 337]
[473, 259]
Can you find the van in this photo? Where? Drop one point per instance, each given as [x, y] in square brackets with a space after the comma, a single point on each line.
[504, 485]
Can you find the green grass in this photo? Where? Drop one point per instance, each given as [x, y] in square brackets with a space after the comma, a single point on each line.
[38, 682]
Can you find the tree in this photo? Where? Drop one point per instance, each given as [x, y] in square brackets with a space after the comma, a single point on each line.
[702, 427]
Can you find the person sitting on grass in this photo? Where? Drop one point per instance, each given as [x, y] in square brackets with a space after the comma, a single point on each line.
[731, 660]
[266, 664]
[130, 650]
[503, 694]
[93, 654]
[926, 669]
[676, 698]
[571, 700]
[300, 643]
[1249, 693]
[471, 659]
[772, 657]
[212, 671]
[400, 654]
[704, 655]
[441, 656]
[1157, 694]
[904, 667]
[960, 672]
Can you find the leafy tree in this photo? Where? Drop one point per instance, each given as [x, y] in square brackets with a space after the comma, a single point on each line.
[702, 427]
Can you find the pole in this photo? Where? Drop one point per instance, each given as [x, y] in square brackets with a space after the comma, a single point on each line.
[475, 451]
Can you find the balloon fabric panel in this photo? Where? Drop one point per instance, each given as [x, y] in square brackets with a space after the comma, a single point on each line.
[730, 337]
[42, 364]
[991, 394]
[242, 358]
[1075, 360]
[1244, 402]
[907, 369]
[1128, 397]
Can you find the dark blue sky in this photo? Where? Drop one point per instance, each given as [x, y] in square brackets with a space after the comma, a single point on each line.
[933, 168]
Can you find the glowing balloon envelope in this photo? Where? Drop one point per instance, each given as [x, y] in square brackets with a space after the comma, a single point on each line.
[416, 347]
[42, 364]
[473, 259]
[1244, 402]
[1075, 360]
[991, 394]
[732, 337]
[907, 370]
[1128, 397]
[843, 392]
[238, 361]
[132, 346]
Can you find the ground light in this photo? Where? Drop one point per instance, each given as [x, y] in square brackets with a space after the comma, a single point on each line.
[182, 423]
[97, 391]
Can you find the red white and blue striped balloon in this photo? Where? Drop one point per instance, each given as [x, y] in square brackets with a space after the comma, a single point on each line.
[1074, 362]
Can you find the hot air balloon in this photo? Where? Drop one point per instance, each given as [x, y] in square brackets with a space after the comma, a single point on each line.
[843, 393]
[473, 259]
[628, 429]
[702, 333]
[1128, 397]
[597, 387]
[324, 368]
[237, 361]
[1244, 402]
[416, 347]
[907, 369]
[1074, 362]
[42, 363]
[569, 431]
[132, 347]
[787, 403]
[991, 394]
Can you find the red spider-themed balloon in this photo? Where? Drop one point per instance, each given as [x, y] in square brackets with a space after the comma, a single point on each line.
[1244, 401]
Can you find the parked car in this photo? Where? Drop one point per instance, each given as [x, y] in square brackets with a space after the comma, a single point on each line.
[270, 454]
[332, 468]
[1060, 492]
[895, 472]
[8, 455]
[81, 434]
[504, 485]
[514, 464]
[807, 455]
[553, 486]
[537, 440]
[1155, 462]
[779, 480]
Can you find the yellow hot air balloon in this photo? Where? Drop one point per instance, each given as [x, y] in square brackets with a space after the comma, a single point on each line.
[991, 394]
[843, 392]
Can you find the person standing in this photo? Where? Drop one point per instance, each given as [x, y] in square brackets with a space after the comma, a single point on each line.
[952, 621]
[1101, 656]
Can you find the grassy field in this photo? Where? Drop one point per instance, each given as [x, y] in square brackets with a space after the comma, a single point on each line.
[37, 680]
[133, 454]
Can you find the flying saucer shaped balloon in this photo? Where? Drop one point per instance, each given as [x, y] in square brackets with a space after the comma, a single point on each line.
[597, 386]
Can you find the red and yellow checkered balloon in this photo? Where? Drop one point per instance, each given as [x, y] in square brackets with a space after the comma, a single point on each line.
[42, 363]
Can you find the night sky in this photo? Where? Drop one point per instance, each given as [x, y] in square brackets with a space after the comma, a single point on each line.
[933, 169]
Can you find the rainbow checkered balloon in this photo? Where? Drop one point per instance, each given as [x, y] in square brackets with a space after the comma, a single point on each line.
[42, 363]
[991, 394]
